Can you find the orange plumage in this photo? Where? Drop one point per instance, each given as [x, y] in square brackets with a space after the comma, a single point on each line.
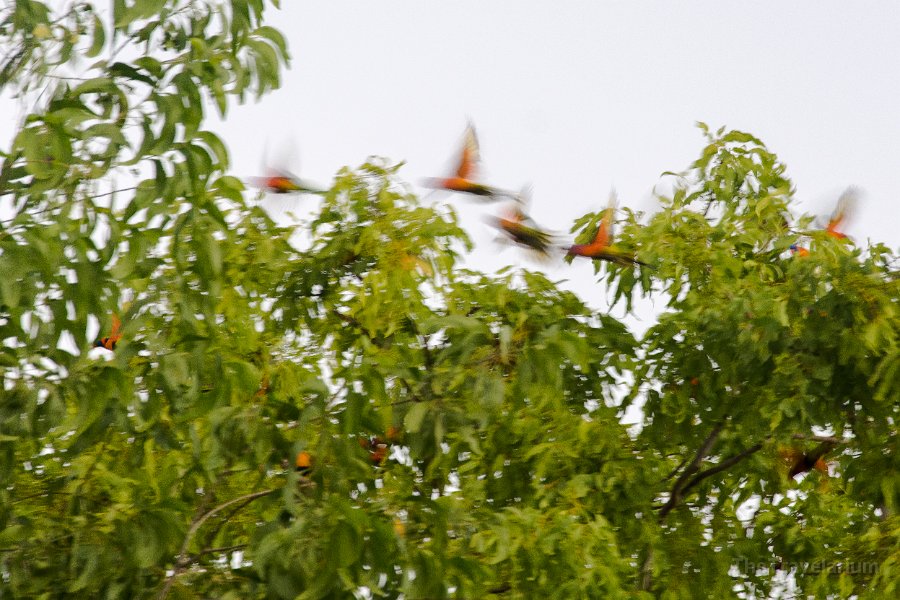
[600, 248]
[463, 179]
[109, 342]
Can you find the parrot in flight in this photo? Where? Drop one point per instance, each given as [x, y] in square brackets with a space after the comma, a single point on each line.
[845, 206]
[843, 211]
[464, 178]
[109, 342]
[800, 462]
[283, 182]
[521, 229]
[601, 248]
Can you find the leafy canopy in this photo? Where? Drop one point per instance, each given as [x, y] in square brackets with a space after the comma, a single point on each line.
[166, 467]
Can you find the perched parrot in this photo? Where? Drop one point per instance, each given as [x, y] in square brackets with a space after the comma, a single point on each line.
[600, 248]
[845, 206]
[304, 463]
[109, 342]
[464, 179]
[522, 230]
[378, 449]
[799, 250]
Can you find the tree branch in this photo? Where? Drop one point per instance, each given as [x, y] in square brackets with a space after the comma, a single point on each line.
[678, 488]
[722, 466]
[181, 561]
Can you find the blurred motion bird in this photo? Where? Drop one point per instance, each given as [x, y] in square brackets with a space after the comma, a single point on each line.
[109, 342]
[521, 228]
[844, 209]
[464, 178]
[283, 182]
[800, 462]
[600, 248]
[280, 180]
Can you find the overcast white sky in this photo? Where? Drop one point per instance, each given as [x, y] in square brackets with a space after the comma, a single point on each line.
[577, 96]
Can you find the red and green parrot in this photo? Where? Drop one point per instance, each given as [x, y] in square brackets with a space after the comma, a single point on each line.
[522, 230]
[464, 179]
[283, 182]
[601, 248]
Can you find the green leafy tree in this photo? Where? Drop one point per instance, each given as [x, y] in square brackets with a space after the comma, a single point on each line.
[464, 430]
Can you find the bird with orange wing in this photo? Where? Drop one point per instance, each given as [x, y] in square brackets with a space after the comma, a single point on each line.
[521, 229]
[799, 461]
[464, 179]
[601, 248]
[280, 180]
[844, 209]
[283, 182]
[109, 342]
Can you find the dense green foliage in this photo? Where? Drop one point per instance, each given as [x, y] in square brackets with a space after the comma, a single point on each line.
[166, 467]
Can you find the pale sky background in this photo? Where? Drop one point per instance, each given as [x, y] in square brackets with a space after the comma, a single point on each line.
[575, 97]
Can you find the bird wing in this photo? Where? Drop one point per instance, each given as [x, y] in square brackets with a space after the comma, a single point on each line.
[469, 159]
[844, 208]
[604, 235]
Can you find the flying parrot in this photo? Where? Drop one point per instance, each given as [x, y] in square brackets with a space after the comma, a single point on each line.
[109, 342]
[521, 229]
[283, 182]
[843, 211]
[464, 178]
[845, 206]
[800, 462]
[600, 248]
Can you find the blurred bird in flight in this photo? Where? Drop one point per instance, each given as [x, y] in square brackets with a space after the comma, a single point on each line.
[464, 178]
[109, 342]
[799, 462]
[282, 181]
[844, 209]
[601, 248]
[521, 229]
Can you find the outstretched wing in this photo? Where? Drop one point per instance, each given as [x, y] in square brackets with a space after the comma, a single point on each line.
[845, 205]
[604, 235]
[469, 159]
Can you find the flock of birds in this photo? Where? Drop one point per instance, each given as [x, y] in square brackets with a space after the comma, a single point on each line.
[520, 229]
[514, 222]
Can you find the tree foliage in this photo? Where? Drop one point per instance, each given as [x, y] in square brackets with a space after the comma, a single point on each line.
[464, 429]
